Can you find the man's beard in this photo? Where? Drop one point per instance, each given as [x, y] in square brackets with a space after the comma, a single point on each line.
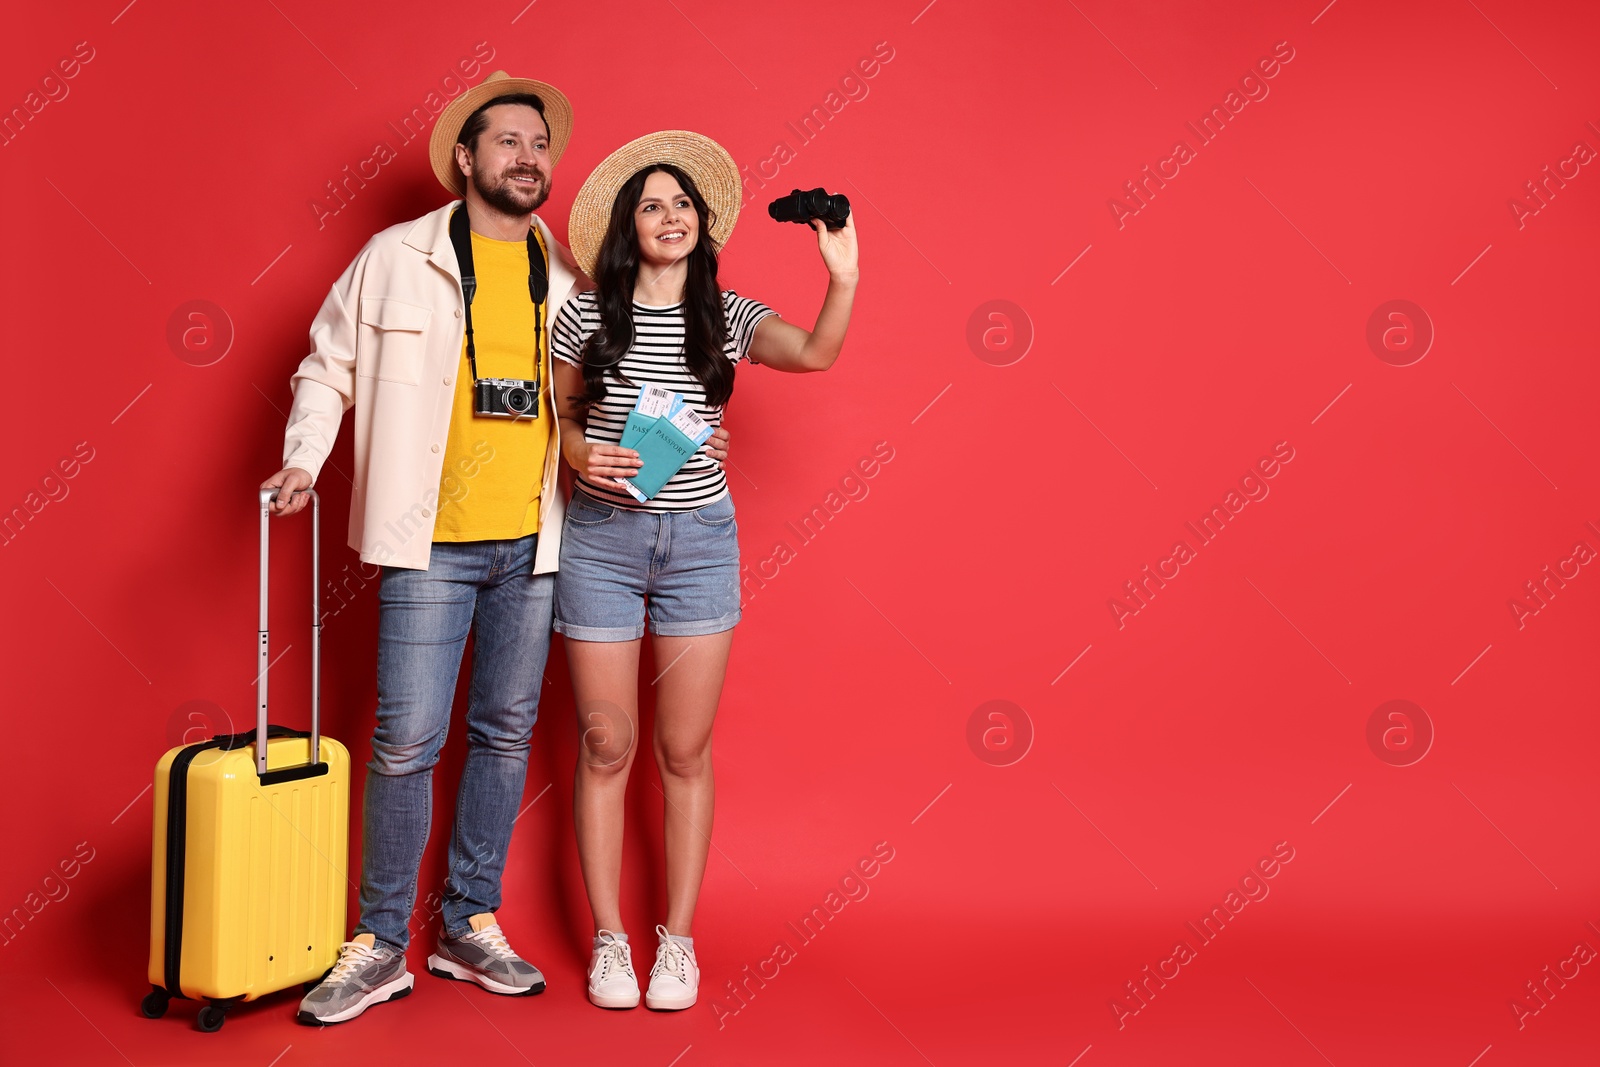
[507, 196]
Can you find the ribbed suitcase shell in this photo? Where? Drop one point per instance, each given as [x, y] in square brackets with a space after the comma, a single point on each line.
[264, 870]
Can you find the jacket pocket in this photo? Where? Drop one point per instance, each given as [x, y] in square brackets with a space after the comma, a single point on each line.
[393, 336]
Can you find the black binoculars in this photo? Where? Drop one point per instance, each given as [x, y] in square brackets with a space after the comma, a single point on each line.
[802, 207]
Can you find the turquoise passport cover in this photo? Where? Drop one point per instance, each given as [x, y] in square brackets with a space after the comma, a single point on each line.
[637, 426]
[664, 448]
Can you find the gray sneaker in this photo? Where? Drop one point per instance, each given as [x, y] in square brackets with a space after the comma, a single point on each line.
[485, 957]
[362, 977]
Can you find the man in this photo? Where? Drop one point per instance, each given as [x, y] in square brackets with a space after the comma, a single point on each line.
[455, 495]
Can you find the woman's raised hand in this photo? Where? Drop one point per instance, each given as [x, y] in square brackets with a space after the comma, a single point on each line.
[838, 248]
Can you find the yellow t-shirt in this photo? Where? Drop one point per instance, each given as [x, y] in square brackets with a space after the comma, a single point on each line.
[493, 467]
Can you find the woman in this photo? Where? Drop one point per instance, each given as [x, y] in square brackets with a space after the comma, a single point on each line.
[647, 227]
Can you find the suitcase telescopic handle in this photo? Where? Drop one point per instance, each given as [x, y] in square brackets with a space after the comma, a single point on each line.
[267, 496]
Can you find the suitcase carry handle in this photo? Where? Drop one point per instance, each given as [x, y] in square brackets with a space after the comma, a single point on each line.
[312, 765]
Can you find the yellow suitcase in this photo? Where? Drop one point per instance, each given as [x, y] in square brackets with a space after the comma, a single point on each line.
[249, 872]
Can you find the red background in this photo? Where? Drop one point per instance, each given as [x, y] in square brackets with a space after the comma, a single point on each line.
[1230, 714]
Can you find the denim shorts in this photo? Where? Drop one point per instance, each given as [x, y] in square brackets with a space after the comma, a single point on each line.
[681, 568]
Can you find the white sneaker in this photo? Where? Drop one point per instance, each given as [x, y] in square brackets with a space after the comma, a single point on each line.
[612, 983]
[675, 979]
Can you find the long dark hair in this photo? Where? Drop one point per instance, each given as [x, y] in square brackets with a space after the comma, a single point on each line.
[616, 271]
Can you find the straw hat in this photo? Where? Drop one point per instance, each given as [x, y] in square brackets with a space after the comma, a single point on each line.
[442, 143]
[705, 161]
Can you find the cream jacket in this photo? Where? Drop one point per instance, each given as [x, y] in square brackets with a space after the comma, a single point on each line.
[387, 342]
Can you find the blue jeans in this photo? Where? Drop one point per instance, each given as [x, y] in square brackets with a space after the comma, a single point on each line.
[423, 620]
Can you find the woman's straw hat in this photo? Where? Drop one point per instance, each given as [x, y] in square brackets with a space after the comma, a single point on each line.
[706, 162]
[442, 143]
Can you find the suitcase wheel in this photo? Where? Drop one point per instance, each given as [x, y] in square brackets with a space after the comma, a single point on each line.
[211, 1018]
[154, 1004]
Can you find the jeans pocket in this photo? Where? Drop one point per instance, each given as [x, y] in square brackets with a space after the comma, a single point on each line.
[585, 510]
[716, 513]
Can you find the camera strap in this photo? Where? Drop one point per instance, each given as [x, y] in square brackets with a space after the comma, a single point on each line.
[538, 282]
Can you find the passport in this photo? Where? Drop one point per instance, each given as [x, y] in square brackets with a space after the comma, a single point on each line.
[665, 432]
[653, 402]
[636, 427]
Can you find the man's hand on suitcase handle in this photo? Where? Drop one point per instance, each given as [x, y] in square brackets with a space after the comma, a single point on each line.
[291, 483]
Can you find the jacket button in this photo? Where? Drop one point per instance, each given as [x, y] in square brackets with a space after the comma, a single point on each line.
[436, 448]
[447, 381]
[458, 313]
